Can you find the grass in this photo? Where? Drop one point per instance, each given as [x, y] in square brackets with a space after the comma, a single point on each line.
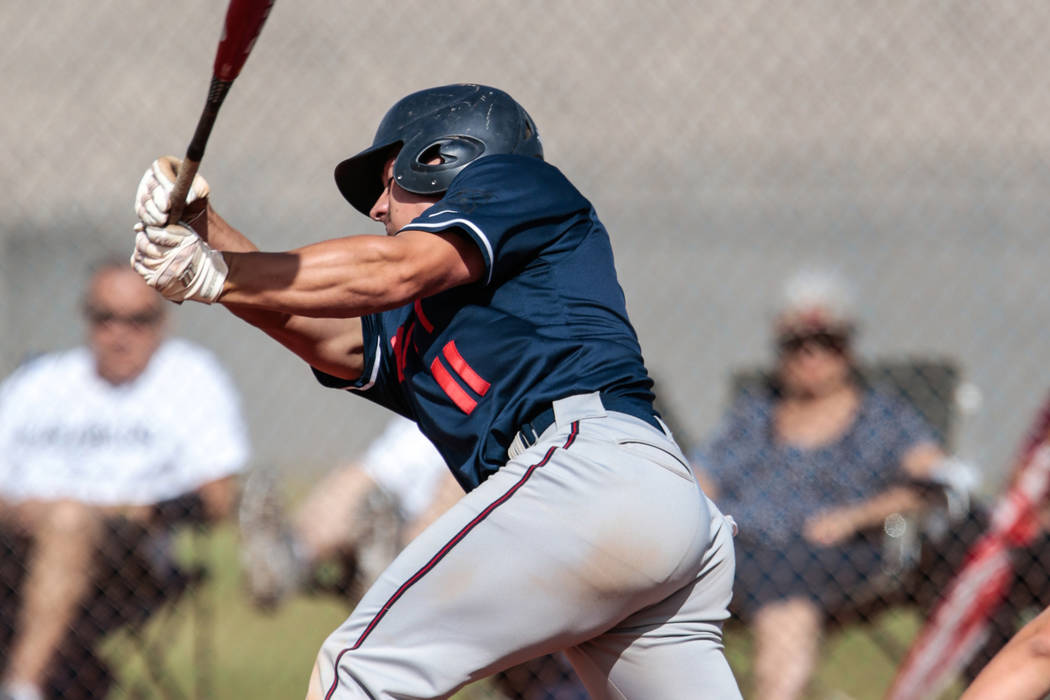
[231, 650]
[239, 652]
[857, 663]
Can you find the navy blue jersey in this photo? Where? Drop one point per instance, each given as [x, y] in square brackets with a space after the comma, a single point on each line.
[547, 319]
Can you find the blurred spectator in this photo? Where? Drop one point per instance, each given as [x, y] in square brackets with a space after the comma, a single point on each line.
[810, 467]
[353, 523]
[358, 517]
[102, 449]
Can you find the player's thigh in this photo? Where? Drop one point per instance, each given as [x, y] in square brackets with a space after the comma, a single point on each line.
[538, 558]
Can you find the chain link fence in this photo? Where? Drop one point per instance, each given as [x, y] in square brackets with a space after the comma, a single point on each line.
[727, 144]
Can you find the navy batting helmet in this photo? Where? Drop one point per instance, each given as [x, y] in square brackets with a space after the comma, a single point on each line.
[458, 123]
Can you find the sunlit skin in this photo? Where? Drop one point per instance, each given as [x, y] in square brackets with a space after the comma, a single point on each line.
[126, 323]
[396, 207]
[311, 299]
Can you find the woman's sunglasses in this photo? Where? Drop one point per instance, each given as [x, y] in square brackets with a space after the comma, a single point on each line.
[836, 343]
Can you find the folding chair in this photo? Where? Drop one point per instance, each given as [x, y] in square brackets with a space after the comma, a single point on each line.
[156, 603]
[134, 595]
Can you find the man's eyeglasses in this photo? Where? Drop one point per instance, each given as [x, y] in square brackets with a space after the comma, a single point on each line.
[836, 343]
[139, 321]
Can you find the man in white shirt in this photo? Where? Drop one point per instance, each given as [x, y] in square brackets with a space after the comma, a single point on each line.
[106, 438]
[360, 515]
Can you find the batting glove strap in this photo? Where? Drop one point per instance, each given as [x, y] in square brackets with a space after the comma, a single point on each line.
[153, 196]
[176, 262]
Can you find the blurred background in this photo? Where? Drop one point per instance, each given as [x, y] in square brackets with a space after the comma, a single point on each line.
[726, 144]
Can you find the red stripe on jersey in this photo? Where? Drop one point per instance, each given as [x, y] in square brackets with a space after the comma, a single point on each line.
[449, 385]
[574, 430]
[457, 363]
[427, 325]
[408, 338]
[397, 344]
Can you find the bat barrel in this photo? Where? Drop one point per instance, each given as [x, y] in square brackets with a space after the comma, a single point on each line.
[244, 21]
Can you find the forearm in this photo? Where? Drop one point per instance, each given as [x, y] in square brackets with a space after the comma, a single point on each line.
[339, 278]
[875, 510]
[351, 277]
[223, 237]
[220, 235]
[832, 526]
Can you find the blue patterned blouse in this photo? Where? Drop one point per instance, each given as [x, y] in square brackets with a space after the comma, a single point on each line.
[771, 489]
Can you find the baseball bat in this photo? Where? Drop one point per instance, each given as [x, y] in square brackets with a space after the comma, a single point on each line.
[244, 21]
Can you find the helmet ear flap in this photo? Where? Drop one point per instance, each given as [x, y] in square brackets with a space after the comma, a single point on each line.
[452, 149]
[435, 164]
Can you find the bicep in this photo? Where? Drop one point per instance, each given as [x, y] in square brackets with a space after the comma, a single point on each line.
[333, 345]
[438, 261]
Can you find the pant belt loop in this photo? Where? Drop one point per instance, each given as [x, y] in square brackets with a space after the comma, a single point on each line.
[578, 407]
[517, 446]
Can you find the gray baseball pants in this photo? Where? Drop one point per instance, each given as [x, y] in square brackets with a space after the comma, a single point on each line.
[595, 540]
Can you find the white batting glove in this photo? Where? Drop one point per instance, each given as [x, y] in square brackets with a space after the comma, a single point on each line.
[153, 197]
[176, 262]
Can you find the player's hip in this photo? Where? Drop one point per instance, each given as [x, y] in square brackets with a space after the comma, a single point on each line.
[618, 481]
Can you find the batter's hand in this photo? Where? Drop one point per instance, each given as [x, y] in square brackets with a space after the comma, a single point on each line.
[153, 197]
[178, 264]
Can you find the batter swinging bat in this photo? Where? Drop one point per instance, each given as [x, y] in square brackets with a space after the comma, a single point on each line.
[244, 21]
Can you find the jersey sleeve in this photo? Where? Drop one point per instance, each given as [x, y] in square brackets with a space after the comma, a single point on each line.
[497, 202]
[378, 380]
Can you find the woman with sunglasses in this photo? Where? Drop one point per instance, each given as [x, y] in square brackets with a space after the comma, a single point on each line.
[808, 467]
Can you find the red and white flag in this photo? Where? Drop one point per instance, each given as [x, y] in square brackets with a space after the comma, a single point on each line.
[959, 623]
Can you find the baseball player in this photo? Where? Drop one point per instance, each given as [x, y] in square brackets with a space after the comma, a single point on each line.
[491, 314]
